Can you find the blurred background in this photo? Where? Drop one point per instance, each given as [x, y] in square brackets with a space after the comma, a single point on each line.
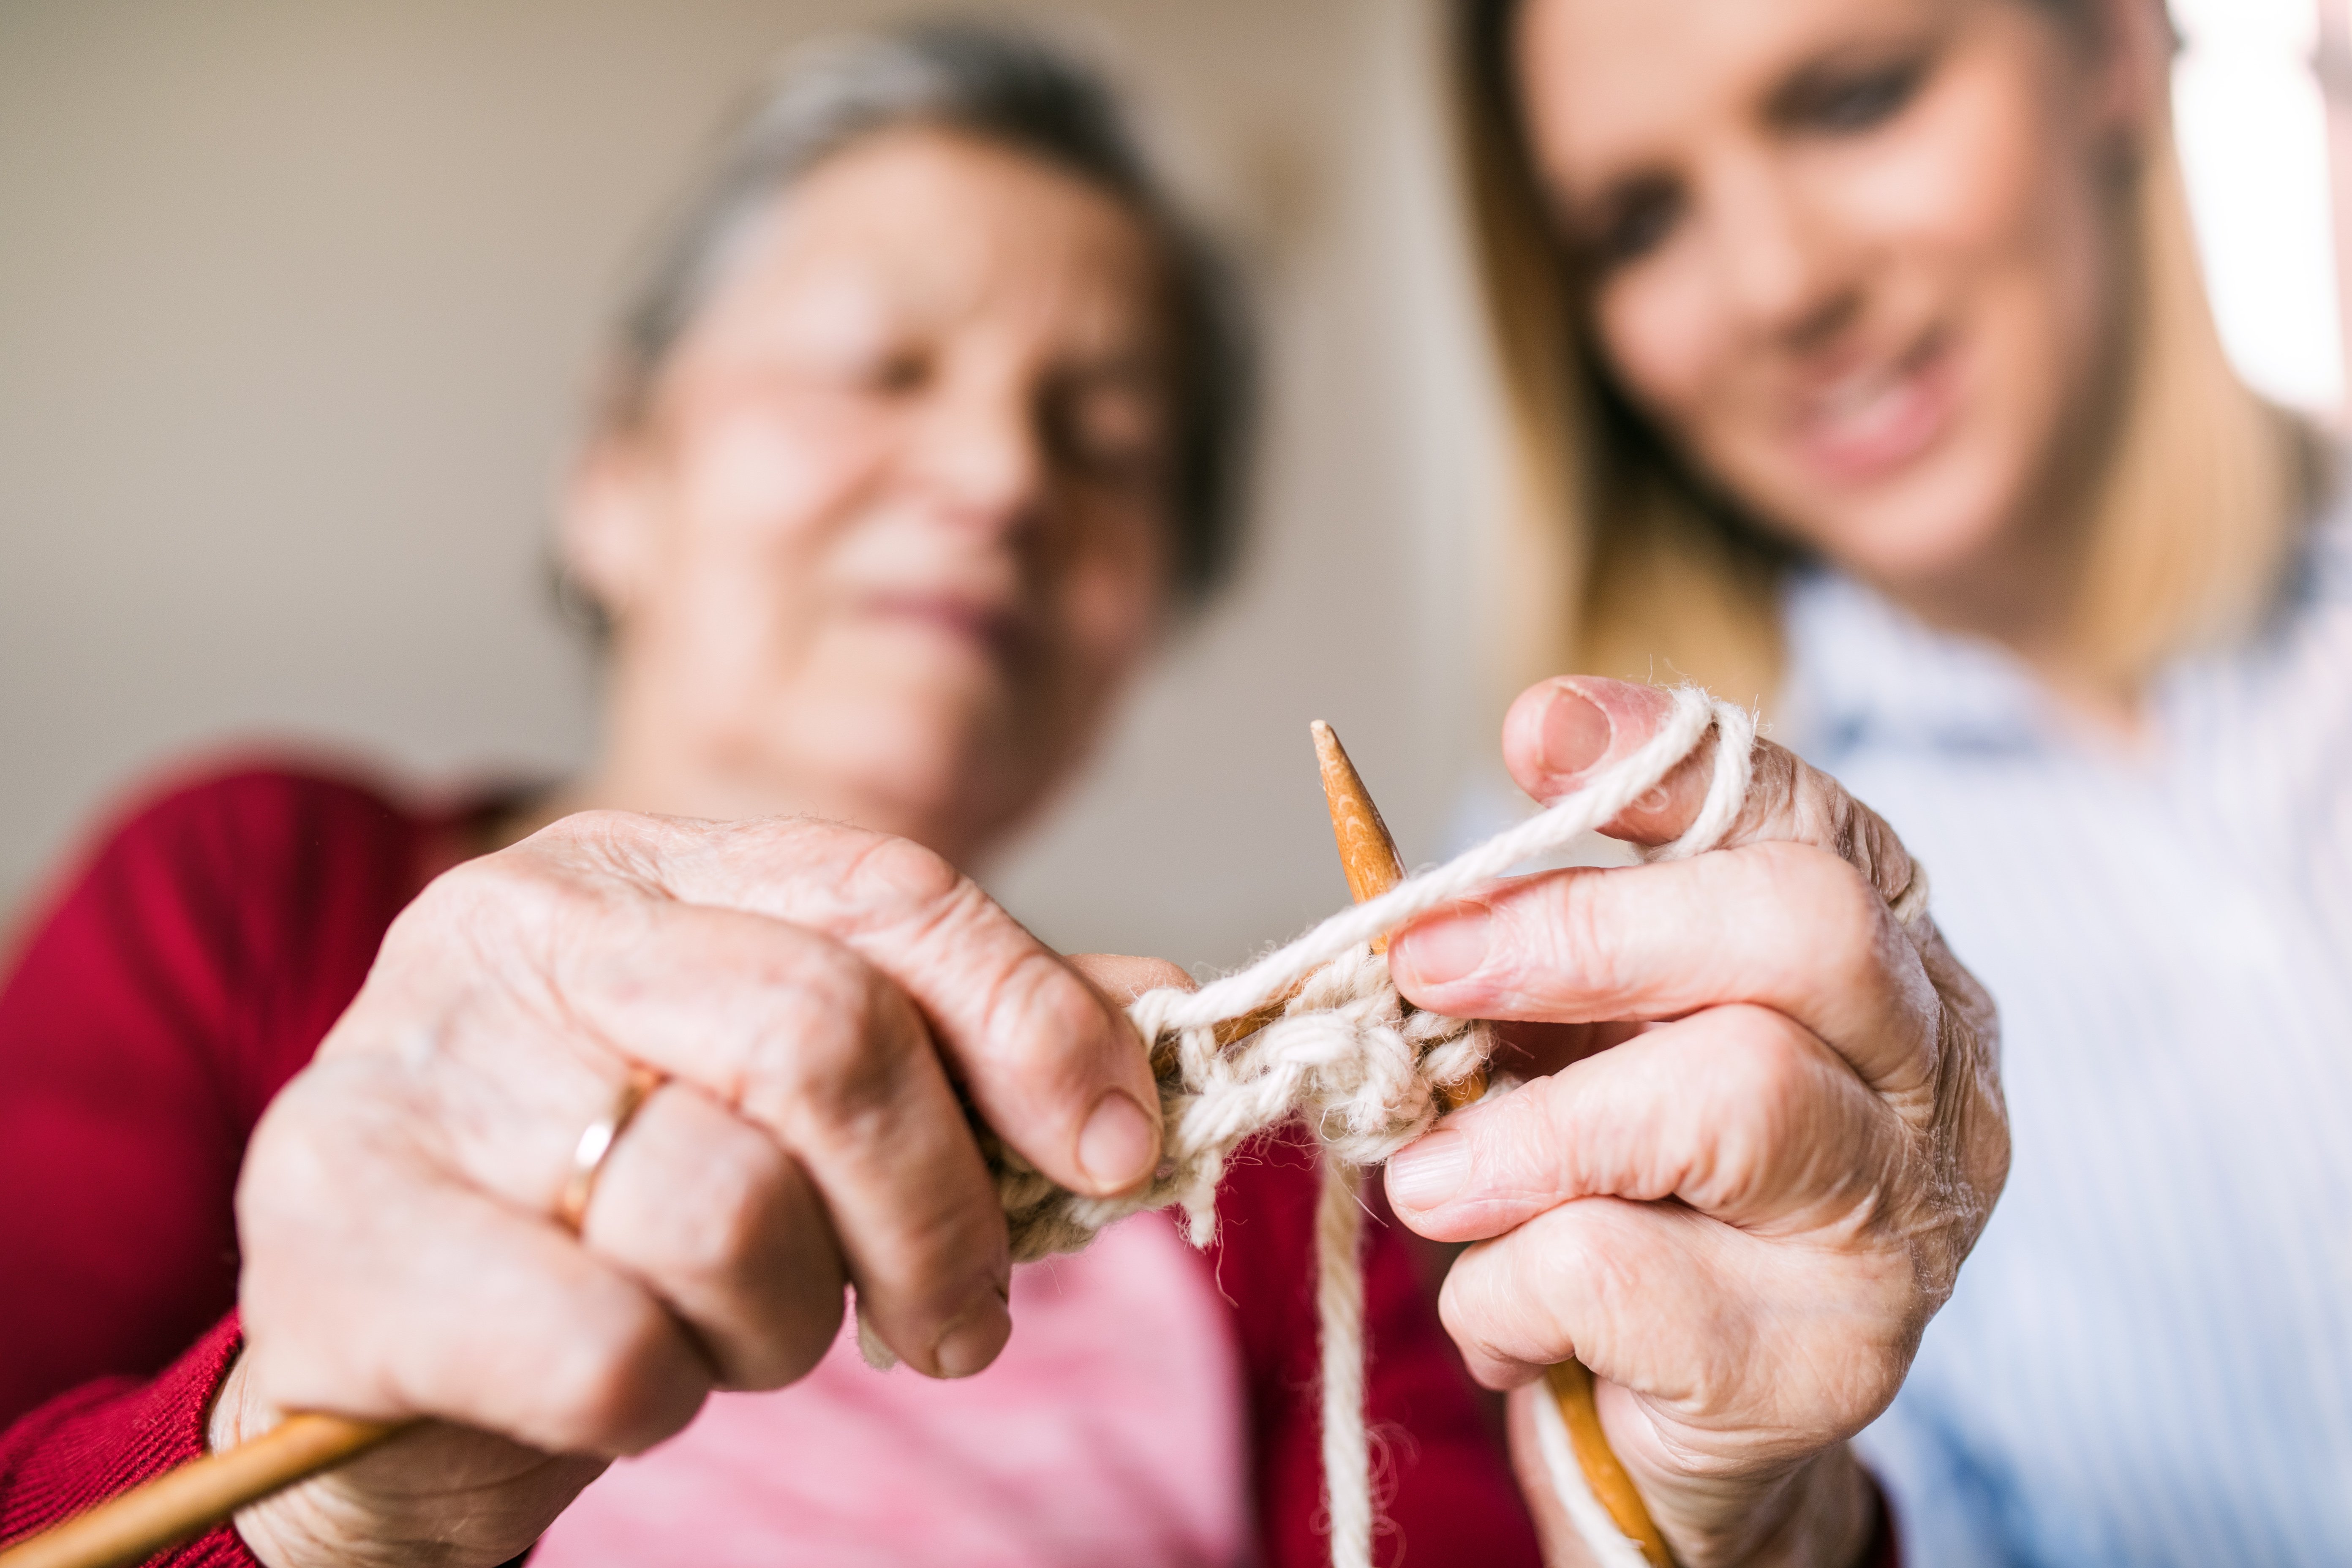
[298, 305]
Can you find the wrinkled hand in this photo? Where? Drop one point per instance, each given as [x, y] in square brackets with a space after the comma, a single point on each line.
[1771, 1131]
[815, 995]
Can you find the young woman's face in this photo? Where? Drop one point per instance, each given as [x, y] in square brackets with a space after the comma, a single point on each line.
[895, 526]
[1852, 256]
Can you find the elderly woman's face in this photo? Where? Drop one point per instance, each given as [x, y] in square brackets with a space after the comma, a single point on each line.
[896, 525]
[1851, 255]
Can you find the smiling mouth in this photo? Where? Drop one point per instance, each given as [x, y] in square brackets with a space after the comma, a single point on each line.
[1872, 420]
[997, 632]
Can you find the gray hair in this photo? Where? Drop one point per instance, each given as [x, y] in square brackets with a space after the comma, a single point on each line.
[1011, 87]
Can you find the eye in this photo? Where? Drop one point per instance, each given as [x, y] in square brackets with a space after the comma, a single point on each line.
[1635, 221]
[1842, 101]
[1109, 427]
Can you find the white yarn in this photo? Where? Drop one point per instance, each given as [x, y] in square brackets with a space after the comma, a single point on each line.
[1339, 1314]
[1365, 1069]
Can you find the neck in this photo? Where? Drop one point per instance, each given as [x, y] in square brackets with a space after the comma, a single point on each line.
[617, 782]
[2024, 597]
[650, 764]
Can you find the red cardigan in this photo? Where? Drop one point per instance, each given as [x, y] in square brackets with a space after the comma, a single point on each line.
[191, 965]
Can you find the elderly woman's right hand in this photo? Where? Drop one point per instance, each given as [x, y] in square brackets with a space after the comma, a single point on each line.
[817, 998]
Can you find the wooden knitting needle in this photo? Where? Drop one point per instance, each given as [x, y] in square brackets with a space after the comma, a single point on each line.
[191, 1499]
[183, 1503]
[1571, 1389]
[1368, 851]
[1369, 856]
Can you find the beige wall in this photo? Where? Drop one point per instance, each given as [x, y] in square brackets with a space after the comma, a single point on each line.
[296, 301]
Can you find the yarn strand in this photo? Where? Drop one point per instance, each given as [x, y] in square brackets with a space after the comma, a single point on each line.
[1608, 796]
[1339, 1314]
[1365, 1071]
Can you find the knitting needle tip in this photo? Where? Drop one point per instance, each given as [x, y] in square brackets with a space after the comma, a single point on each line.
[1368, 854]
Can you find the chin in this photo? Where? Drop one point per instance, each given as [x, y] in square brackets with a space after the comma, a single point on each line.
[931, 770]
[1917, 527]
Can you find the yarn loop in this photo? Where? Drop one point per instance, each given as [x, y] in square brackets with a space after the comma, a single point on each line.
[1362, 1067]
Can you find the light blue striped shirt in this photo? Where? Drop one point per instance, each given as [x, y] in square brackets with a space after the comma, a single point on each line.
[2149, 1359]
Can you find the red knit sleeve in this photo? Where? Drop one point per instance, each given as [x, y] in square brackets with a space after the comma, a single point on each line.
[1444, 1484]
[104, 1436]
[174, 980]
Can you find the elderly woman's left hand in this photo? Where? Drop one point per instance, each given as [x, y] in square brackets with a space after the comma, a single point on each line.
[1775, 1130]
[813, 1006]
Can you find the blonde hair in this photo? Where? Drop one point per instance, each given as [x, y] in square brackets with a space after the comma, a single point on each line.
[1621, 565]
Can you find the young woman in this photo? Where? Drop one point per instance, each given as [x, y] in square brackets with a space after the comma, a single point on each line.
[1859, 366]
[921, 429]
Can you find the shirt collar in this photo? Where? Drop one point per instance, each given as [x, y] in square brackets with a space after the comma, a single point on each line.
[1861, 667]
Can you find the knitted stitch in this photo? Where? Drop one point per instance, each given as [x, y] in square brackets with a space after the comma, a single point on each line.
[1363, 1068]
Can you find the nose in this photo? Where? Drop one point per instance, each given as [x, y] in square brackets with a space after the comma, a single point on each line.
[982, 451]
[1784, 275]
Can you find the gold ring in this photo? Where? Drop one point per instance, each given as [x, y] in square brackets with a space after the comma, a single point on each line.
[596, 1142]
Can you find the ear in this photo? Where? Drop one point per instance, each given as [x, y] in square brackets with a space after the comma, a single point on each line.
[609, 526]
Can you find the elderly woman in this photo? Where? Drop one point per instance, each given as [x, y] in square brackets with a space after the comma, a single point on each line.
[1860, 364]
[921, 431]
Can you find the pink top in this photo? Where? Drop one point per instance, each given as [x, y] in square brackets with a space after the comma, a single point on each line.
[1113, 1429]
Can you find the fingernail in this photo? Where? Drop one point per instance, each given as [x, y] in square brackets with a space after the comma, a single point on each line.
[973, 1336]
[1423, 1174]
[1119, 1143]
[1576, 732]
[1438, 950]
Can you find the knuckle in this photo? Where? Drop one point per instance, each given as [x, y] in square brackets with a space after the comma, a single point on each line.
[622, 1383]
[1607, 1279]
[1879, 1366]
[1528, 1142]
[625, 833]
[1813, 808]
[718, 1230]
[1035, 1012]
[1880, 853]
[1775, 804]
[889, 873]
[1826, 816]
[1469, 1307]
[516, 888]
[326, 1141]
[1511, 1300]
[1760, 1100]
[1560, 936]
[617, 844]
[835, 1043]
[516, 909]
[1771, 1069]
[590, 829]
[1844, 919]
